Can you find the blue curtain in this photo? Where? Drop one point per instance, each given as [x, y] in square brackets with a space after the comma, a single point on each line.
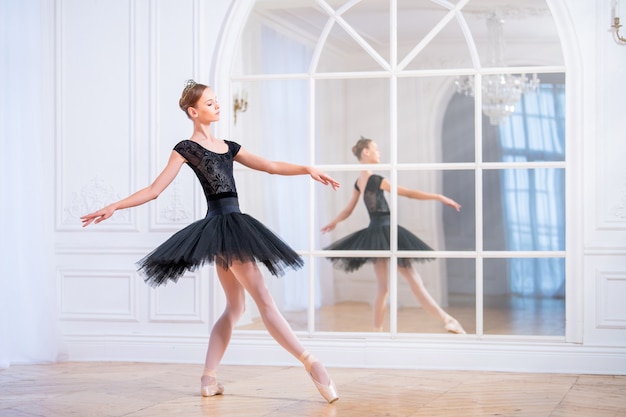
[533, 200]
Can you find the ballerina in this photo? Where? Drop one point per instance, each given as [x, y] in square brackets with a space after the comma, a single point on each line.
[233, 241]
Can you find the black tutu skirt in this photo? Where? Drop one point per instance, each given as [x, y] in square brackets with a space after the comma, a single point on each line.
[222, 238]
[376, 237]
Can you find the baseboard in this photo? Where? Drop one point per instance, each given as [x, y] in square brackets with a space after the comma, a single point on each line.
[436, 353]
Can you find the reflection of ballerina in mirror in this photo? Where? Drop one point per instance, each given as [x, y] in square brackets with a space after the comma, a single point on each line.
[376, 237]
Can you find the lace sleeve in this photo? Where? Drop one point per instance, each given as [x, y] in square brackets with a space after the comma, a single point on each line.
[233, 147]
[188, 151]
[373, 183]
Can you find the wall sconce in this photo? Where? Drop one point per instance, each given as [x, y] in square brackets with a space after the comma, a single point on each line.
[616, 25]
[240, 104]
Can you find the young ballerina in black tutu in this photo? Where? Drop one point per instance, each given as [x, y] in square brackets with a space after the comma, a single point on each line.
[376, 237]
[233, 241]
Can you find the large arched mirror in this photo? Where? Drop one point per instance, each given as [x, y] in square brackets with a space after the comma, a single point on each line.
[310, 77]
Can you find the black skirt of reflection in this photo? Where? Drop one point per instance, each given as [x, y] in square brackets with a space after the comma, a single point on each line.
[376, 236]
[224, 235]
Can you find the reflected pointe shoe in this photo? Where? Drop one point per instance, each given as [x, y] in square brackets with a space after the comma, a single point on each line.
[453, 326]
[214, 389]
[329, 392]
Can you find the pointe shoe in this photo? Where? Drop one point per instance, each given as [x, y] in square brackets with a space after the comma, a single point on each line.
[453, 326]
[329, 392]
[214, 389]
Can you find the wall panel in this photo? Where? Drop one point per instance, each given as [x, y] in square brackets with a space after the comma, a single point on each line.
[121, 66]
[606, 196]
[98, 295]
[605, 310]
[95, 111]
[611, 287]
[180, 302]
[174, 45]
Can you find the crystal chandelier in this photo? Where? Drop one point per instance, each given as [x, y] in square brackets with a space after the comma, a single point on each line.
[501, 92]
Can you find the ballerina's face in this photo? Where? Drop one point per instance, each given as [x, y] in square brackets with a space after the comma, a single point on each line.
[207, 109]
[371, 154]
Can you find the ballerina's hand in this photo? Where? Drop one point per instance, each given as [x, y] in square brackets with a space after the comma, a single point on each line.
[450, 202]
[328, 228]
[97, 216]
[324, 178]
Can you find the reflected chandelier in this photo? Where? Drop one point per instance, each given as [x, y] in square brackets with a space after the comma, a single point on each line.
[501, 92]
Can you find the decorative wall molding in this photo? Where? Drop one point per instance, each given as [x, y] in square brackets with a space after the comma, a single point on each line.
[98, 295]
[619, 209]
[175, 210]
[608, 195]
[98, 249]
[68, 90]
[179, 303]
[183, 50]
[611, 309]
[92, 196]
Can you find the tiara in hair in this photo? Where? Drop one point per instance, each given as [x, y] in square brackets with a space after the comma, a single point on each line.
[189, 84]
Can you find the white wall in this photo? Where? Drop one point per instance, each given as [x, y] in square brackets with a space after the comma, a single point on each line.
[603, 177]
[120, 67]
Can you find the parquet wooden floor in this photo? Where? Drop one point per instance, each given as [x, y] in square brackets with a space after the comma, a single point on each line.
[103, 389]
[528, 317]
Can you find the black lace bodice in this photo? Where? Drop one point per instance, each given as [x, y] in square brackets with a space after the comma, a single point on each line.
[374, 196]
[214, 170]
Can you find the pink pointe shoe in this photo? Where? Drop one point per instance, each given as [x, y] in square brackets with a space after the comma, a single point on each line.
[329, 392]
[214, 389]
[453, 326]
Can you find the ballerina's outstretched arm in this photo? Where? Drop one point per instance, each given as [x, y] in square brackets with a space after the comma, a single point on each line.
[142, 196]
[421, 195]
[283, 168]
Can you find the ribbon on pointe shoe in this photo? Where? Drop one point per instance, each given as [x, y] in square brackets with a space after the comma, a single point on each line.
[329, 392]
[212, 389]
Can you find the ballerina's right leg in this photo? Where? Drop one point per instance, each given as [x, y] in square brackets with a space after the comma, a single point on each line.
[427, 302]
[251, 279]
[381, 268]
